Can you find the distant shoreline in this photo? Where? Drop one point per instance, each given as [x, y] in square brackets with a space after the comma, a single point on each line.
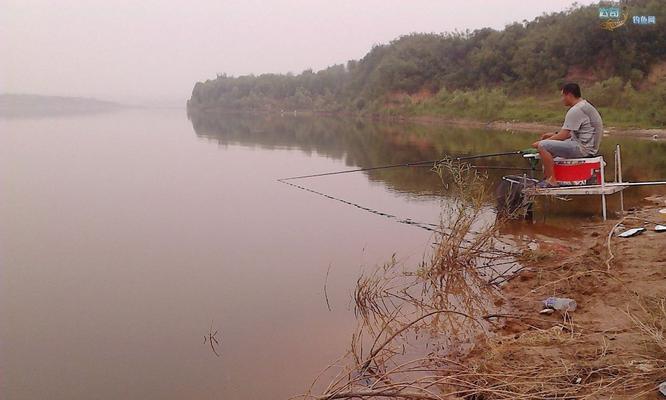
[535, 126]
[30, 106]
[520, 126]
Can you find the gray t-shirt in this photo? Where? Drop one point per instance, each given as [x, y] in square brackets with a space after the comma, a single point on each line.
[584, 122]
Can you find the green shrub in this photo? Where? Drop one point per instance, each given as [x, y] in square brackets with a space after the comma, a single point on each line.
[606, 93]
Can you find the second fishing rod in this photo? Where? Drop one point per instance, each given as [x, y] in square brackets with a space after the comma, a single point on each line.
[408, 164]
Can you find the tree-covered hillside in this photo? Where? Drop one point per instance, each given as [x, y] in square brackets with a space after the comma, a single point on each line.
[527, 58]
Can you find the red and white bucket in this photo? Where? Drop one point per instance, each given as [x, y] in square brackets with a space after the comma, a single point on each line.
[578, 171]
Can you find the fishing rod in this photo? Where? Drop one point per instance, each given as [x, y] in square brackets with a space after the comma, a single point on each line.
[500, 167]
[423, 225]
[409, 164]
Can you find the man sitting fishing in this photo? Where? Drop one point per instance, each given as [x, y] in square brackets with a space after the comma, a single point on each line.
[579, 137]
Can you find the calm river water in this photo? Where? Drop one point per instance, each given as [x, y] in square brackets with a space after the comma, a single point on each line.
[126, 237]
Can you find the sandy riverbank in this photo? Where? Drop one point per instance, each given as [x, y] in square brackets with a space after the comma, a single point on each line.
[613, 344]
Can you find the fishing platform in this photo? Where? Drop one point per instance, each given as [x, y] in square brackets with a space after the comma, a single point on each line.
[580, 177]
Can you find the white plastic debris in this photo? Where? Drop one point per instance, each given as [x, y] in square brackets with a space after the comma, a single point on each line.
[660, 228]
[618, 230]
[547, 311]
[662, 388]
[662, 211]
[560, 303]
[631, 232]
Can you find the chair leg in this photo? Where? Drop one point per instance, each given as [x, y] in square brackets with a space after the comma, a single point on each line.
[622, 202]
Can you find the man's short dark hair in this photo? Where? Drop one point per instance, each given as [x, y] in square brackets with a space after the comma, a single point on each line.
[572, 88]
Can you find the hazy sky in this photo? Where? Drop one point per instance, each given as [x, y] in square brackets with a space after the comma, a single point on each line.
[137, 51]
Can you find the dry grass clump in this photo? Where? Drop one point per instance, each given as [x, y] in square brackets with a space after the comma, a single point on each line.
[533, 366]
[456, 275]
[442, 302]
[650, 320]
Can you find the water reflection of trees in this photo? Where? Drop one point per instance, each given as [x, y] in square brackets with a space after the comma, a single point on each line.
[359, 143]
[365, 143]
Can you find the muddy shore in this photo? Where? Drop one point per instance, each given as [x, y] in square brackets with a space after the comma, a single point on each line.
[617, 330]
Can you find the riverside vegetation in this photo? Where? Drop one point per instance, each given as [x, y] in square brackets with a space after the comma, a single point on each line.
[485, 74]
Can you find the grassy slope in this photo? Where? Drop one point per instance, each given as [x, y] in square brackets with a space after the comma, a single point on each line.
[543, 109]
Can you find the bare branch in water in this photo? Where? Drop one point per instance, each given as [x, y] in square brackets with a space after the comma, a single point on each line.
[328, 270]
[212, 339]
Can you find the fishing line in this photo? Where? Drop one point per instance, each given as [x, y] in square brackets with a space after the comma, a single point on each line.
[408, 221]
[423, 225]
[430, 227]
